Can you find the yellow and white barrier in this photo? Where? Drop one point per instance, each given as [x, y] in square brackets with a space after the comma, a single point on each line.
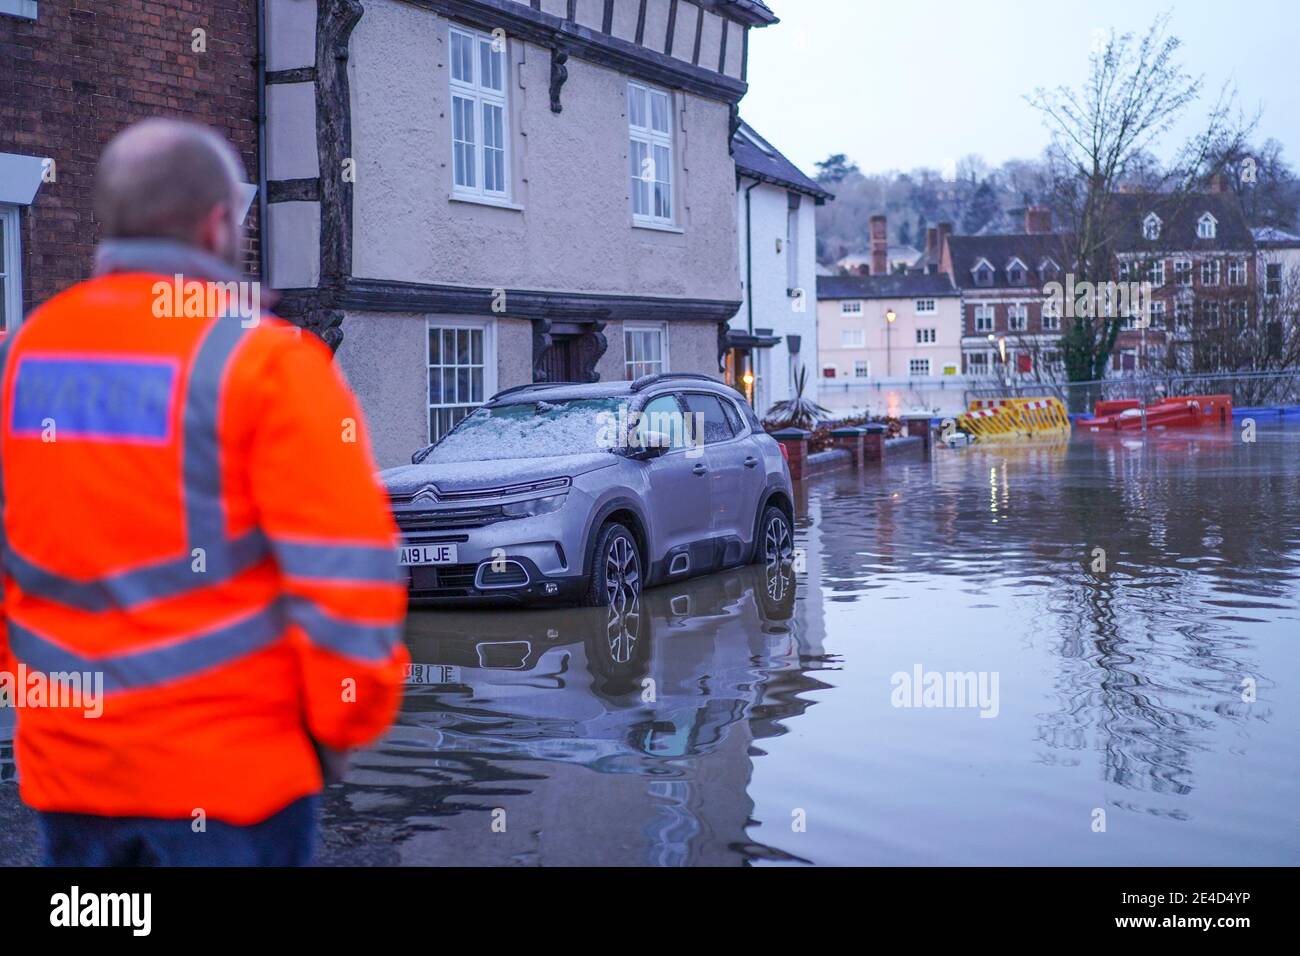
[1016, 419]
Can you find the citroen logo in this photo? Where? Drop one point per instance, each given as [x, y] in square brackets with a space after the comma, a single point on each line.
[427, 493]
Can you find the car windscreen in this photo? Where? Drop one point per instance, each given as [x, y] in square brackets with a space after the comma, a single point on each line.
[532, 430]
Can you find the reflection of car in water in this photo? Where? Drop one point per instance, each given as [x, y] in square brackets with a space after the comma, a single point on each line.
[665, 675]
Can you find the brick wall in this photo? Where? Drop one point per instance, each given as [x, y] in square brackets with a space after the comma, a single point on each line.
[84, 69]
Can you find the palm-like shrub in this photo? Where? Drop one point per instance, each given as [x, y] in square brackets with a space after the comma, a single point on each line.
[797, 411]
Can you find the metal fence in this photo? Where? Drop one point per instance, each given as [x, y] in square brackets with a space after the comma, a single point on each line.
[1270, 389]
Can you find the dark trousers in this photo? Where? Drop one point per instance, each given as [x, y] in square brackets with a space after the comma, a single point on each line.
[81, 839]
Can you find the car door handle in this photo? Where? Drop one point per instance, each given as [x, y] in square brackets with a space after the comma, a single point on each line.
[699, 469]
[751, 462]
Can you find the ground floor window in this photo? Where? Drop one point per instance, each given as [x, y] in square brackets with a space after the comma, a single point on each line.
[977, 363]
[11, 269]
[459, 372]
[861, 369]
[645, 350]
[918, 367]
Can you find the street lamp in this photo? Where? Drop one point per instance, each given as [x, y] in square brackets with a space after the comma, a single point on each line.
[890, 316]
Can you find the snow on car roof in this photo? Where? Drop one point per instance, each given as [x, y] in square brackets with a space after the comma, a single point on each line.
[557, 393]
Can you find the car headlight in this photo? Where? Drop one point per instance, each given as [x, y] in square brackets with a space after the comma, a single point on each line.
[534, 507]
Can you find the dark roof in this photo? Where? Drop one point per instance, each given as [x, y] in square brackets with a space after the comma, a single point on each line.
[1030, 248]
[755, 12]
[884, 287]
[757, 158]
[1179, 214]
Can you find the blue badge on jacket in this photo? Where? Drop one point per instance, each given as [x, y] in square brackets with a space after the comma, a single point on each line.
[110, 399]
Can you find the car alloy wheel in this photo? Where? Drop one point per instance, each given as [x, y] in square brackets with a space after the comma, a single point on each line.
[778, 545]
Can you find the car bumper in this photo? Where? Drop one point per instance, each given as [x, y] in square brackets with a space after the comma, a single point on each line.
[464, 585]
[523, 561]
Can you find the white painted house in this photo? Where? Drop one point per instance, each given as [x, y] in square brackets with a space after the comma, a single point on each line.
[775, 331]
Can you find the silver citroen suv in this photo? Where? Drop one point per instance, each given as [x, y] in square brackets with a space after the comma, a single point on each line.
[558, 492]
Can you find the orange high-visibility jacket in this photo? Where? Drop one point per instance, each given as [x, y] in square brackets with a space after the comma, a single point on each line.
[190, 509]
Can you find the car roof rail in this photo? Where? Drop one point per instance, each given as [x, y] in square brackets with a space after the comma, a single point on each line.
[523, 388]
[645, 381]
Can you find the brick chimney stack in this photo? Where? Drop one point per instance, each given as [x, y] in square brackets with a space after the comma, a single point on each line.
[940, 242]
[1218, 184]
[1038, 220]
[879, 246]
[931, 250]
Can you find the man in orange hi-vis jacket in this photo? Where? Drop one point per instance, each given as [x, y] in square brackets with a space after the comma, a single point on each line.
[201, 599]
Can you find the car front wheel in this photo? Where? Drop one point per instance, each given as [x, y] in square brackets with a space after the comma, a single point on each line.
[615, 569]
[775, 544]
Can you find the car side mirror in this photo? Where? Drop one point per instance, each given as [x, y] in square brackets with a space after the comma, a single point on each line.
[653, 445]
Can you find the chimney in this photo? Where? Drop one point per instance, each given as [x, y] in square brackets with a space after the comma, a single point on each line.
[879, 246]
[1218, 184]
[941, 242]
[931, 250]
[1038, 220]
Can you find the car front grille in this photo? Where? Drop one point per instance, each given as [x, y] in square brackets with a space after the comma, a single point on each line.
[448, 519]
[443, 580]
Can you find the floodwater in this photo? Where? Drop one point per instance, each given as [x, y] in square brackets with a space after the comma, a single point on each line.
[1103, 637]
[752, 716]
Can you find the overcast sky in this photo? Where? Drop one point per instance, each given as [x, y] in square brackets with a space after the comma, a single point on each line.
[898, 84]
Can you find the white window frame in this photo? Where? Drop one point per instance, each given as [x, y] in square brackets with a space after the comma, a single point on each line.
[1183, 272]
[1211, 268]
[649, 137]
[926, 306]
[981, 265]
[1156, 273]
[480, 96]
[927, 336]
[1049, 316]
[489, 365]
[852, 339]
[861, 368]
[1149, 233]
[851, 307]
[915, 366]
[1237, 272]
[1017, 317]
[630, 328]
[1272, 278]
[985, 313]
[1159, 313]
[977, 358]
[11, 266]
[1207, 227]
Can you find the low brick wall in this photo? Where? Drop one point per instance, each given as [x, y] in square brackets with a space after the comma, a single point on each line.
[858, 446]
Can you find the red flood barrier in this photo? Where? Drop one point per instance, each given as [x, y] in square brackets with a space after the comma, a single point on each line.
[1183, 411]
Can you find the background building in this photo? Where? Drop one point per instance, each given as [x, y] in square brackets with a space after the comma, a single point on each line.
[775, 332]
[72, 75]
[889, 343]
[490, 192]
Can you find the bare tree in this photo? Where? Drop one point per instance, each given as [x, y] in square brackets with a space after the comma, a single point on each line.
[1102, 134]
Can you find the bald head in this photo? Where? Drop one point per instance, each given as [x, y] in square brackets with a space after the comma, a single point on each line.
[169, 179]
